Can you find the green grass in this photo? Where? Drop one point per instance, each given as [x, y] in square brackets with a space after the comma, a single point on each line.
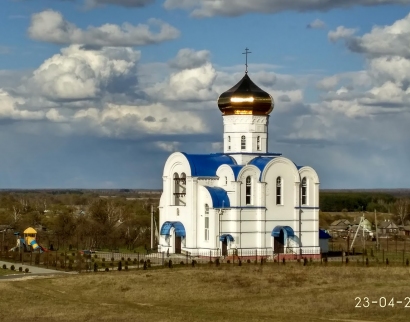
[251, 292]
[8, 271]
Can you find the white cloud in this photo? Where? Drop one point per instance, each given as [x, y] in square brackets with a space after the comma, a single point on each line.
[78, 74]
[207, 8]
[384, 87]
[9, 109]
[390, 40]
[316, 24]
[188, 59]
[341, 32]
[50, 26]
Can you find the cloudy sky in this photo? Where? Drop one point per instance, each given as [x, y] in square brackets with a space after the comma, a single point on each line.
[97, 93]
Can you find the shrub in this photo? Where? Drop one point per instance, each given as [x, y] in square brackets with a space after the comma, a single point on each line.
[103, 259]
[119, 265]
[248, 261]
[12, 267]
[112, 259]
[126, 262]
[20, 269]
[126, 267]
[228, 261]
[122, 258]
[141, 261]
[148, 260]
[26, 270]
[129, 259]
[4, 266]
[95, 256]
[73, 254]
[107, 269]
[182, 263]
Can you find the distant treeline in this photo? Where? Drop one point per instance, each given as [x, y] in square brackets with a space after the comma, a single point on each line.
[356, 201]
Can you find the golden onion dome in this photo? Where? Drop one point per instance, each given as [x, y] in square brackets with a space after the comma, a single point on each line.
[245, 98]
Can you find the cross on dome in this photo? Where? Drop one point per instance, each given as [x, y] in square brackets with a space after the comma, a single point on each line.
[246, 62]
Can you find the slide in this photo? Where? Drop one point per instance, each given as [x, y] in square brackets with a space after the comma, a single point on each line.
[36, 246]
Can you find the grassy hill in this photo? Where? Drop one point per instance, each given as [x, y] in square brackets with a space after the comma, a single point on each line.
[252, 292]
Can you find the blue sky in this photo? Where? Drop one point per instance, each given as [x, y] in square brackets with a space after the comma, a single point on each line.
[97, 93]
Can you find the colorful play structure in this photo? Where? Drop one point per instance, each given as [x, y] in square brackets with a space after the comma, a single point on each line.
[28, 243]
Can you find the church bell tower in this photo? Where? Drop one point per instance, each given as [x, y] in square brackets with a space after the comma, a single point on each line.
[245, 109]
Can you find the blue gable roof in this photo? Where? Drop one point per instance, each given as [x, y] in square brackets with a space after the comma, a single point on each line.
[260, 163]
[205, 165]
[236, 169]
[219, 197]
[179, 228]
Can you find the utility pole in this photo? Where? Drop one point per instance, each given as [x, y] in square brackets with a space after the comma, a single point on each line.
[152, 227]
[377, 232]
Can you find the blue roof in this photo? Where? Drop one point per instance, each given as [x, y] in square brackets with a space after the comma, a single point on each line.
[226, 236]
[236, 169]
[323, 234]
[287, 229]
[179, 228]
[205, 165]
[219, 197]
[260, 163]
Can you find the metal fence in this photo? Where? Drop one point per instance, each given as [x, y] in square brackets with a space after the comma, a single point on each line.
[75, 261]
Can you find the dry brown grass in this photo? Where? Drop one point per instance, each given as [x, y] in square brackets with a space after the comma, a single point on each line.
[230, 293]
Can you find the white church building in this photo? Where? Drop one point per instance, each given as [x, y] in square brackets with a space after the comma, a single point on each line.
[242, 200]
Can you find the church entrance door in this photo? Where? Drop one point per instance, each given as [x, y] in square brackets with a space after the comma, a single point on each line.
[225, 247]
[177, 245]
[279, 243]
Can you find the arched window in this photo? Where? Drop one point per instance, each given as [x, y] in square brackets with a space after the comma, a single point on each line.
[176, 189]
[278, 190]
[258, 143]
[206, 236]
[248, 190]
[243, 142]
[304, 191]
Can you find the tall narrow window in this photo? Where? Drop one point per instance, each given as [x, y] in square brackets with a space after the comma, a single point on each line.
[226, 181]
[206, 236]
[176, 189]
[248, 190]
[229, 139]
[243, 142]
[258, 143]
[304, 191]
[278, 190]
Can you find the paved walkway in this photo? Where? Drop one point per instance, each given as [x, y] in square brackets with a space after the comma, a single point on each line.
[34, 271]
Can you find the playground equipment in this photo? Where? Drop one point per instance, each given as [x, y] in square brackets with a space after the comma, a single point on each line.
[28, 243]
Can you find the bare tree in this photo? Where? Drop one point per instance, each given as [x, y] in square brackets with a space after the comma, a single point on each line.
[402, 208]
